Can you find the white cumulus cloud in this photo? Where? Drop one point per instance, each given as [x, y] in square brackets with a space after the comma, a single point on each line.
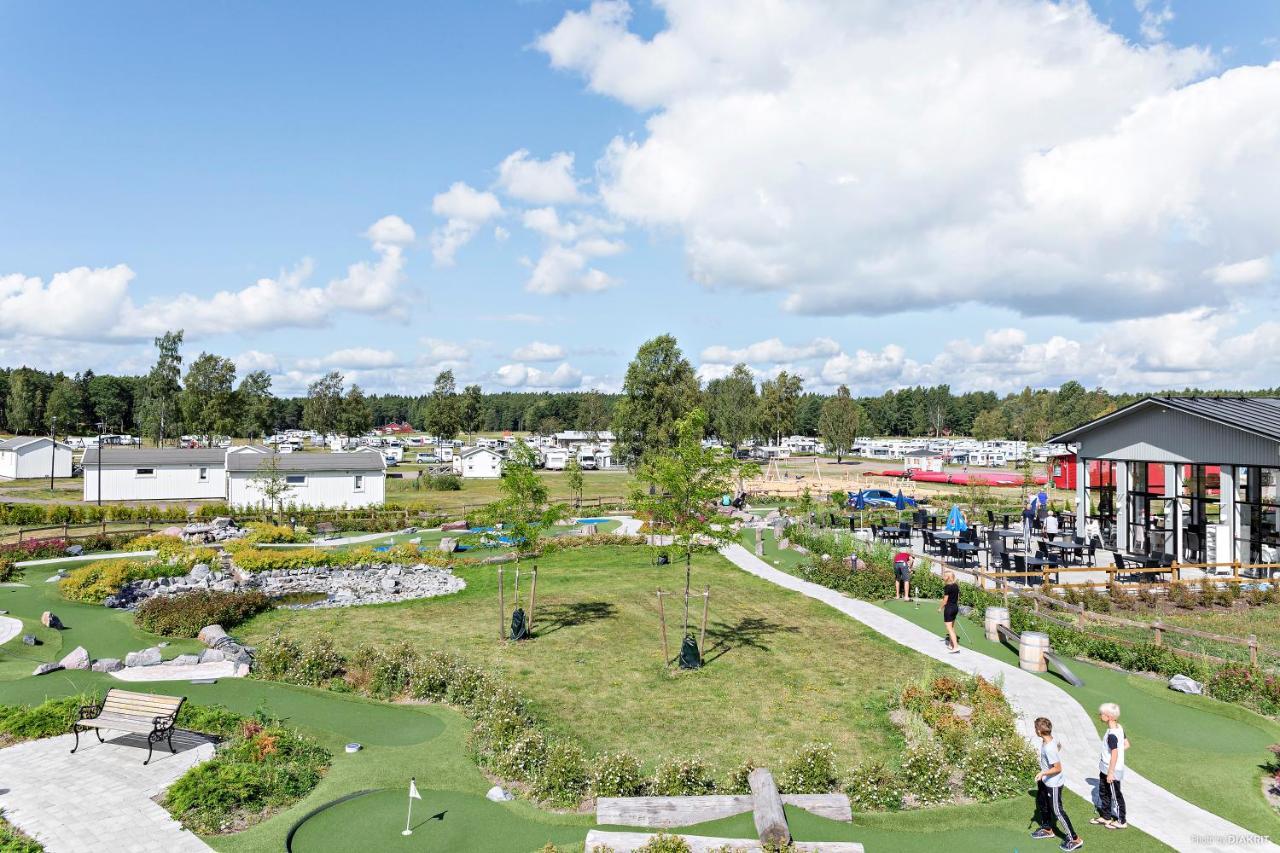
[1253, 271]
[538, 351]
[465, 210]
[771, 351]
[549, 181]
[521, 375]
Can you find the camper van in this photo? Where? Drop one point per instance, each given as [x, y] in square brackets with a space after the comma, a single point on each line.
[556, 459]
[587, 458]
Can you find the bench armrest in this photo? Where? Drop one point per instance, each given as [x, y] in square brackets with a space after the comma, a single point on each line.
[88, 712]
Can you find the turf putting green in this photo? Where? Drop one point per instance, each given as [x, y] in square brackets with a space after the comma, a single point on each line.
[1170, 731]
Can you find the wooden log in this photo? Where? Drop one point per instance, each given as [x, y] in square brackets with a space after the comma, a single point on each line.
[629, 842]
[668, 812]
[533, 598]
[766, 803]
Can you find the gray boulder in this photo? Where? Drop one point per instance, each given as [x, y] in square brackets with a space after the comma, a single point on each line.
[498, 794]
[49, 620]
[185, 660]
[448, 544]
[200, 570]
[389, 584]
[212, 656]
[30, 640]
[107, 665]
[46, 668]
[146, 657]
[210, 635]
[77, 659]
[1185, 684]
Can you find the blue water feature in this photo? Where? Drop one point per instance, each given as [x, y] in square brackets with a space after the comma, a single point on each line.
[591, 520]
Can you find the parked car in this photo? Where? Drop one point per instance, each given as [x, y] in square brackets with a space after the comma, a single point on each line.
[426, 458]
[883, 497]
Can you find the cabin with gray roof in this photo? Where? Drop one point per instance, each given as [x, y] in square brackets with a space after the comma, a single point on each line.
[27, 457]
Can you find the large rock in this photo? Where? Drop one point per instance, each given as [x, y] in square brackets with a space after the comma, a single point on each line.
[77, 659]
[146, 657]
[1186, 684]
[498, 794]
[210, 635]
[389, 584]
[448, 545]
[212, 656]
[46, 668]
[49, 620]
[200, 570]
[107, 665]
[455, 525]
[185, 660]
[30, 640]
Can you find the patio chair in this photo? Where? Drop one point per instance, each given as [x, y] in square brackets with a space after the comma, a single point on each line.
[991, 517]
[1020, 566]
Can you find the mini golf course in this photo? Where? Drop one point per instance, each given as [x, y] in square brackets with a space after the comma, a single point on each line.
[1171, 732]
[428, 741]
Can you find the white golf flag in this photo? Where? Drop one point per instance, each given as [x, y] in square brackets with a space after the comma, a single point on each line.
[413, 791]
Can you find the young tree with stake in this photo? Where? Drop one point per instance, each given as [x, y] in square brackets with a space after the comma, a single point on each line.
[687, 482]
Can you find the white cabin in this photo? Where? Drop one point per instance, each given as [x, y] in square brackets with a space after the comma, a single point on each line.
[315, 480]
[479, 463]
[154, 475]
[27, 457]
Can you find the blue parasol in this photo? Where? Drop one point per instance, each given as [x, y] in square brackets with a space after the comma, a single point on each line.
[955, 520]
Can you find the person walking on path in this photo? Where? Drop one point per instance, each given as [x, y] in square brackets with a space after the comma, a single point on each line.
[1049, 810]
[1111, 813]
[902, 576]
[950, 608]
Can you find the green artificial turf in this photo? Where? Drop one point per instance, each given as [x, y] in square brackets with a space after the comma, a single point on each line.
[785, 559]
[1208, 752]
[105, 632]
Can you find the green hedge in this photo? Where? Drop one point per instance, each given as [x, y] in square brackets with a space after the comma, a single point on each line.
[184, 615]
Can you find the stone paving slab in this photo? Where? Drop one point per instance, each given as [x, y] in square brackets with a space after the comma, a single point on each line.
[170, 672]
[9, 628]
[97, 799]
[1157, 812]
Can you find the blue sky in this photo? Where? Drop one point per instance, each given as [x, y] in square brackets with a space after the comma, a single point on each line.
[882, 194]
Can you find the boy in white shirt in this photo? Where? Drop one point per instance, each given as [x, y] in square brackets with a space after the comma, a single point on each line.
[1111, 813]
[1049, 810]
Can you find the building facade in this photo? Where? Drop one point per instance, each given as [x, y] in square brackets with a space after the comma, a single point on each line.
[28, 457]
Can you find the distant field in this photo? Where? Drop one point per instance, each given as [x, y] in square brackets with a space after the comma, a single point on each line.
[595, 484]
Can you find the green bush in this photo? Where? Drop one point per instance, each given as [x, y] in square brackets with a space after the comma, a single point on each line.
[562, 778]
[312, 663]
[260, 769]
[49, 718]
[664, 843]
[617, 774]
[183, 615]
[998, 768]
[811, 771]
[925, 773]
[14, 841]
[874, 788]
[682, 777]
[737, 782]
[260, 532]
[96, 581]
[443, 483]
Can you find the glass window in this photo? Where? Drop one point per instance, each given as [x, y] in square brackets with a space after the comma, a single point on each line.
[146, 472]
[204, 474]
[1258, 515]
[359, 482]
[296, 479]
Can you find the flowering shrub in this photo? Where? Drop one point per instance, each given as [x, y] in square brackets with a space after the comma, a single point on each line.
[811, 771]
[164, 546]
[682, 777]
[924, 774]
[261, 532]
[997, 768]
[562, 777]
[617, 774]
[31, 549]
[873, 787]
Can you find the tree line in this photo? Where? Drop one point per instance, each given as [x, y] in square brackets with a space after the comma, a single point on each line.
[660, 387]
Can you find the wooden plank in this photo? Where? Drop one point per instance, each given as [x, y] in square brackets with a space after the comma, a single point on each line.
[668, 812]
[766, 805]
[628, 842]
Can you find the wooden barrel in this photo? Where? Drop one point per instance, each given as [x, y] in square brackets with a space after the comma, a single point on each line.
[1031, 651]
[995, 616]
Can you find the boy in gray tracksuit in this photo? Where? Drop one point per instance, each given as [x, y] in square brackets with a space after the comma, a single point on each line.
[1049, 810]
[1111, 813]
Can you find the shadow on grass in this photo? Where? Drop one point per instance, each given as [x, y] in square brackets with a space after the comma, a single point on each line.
[557, 616]
[749, 632]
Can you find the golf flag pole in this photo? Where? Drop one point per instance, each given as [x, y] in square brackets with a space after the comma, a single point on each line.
[413, 795]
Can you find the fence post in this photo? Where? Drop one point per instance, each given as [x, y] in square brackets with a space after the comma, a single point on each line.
[64, 529]
[1156, 627]
[1253, 650]
[1080, 618]
[19, 537]
[104, 524]
[1177, 571]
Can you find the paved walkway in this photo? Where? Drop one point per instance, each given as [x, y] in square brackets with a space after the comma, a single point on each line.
[171, 672]
[97, 799]
[1160, 814]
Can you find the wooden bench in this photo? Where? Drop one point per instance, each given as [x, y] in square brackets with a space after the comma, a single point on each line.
[147, 714]
[326, 529]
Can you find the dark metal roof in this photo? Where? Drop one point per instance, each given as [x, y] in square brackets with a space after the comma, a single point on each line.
[1257, 415]
[360, 460]
[129, 458]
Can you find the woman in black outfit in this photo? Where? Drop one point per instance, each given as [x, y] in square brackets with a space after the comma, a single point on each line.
[950, 607]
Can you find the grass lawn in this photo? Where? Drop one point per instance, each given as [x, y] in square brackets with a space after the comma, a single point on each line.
[595, 484]
[783, 670]
[106, 633]
[1205, 751]
[1263, 621]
